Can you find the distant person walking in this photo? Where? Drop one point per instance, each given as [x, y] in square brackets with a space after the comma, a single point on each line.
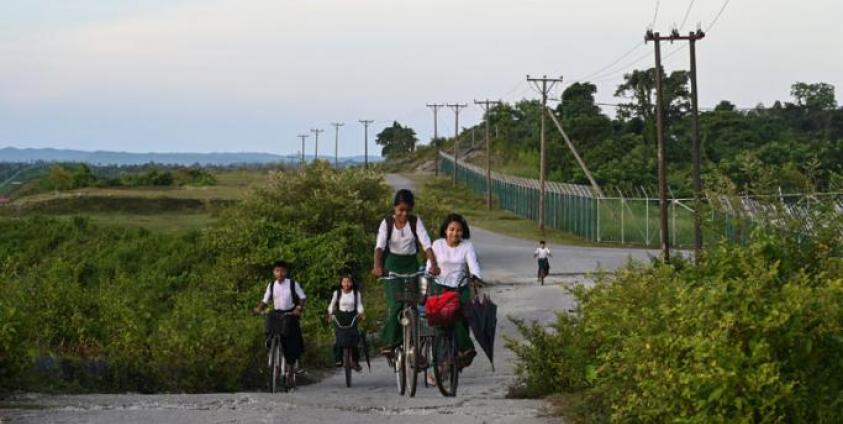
[543, 255]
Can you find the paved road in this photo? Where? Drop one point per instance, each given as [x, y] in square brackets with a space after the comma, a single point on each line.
[507, 265]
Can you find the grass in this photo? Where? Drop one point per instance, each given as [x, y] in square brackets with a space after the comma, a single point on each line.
[160, 209]
[473, 207]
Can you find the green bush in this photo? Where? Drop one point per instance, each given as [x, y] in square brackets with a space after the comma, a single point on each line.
[88, 307]
[753, 334]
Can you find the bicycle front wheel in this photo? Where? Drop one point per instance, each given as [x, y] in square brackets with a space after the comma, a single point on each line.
[346, 363]
[446, 363]
[275, 365]
[400, 371]
[411, 350]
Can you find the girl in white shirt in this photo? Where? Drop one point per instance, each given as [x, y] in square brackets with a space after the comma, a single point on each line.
[457, 259]
[399, 237]
[345, 305]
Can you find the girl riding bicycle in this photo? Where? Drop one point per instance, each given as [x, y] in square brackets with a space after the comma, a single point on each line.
[345, 306]
[456, 255]
[395, 251]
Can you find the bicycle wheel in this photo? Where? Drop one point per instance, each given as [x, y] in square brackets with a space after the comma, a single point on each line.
[445, 363]
[346, 363]
[400, 372]
[411, 349]
[274, 365]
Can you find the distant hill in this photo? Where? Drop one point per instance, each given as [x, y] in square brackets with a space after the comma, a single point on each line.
[13, 154]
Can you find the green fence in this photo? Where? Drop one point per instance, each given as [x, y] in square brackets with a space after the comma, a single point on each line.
[575, 209]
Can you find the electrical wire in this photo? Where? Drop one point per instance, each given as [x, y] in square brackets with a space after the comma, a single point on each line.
[687, 13]
[716, 18]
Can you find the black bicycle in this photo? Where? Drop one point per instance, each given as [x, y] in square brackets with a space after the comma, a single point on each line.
[447, 365]
[278, 366]
[347, 332]
[407, 358]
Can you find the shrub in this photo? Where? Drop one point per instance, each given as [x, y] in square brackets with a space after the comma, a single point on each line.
[753, 334]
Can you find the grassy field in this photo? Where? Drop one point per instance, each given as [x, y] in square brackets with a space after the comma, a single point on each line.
[473, 207]
[166, 209]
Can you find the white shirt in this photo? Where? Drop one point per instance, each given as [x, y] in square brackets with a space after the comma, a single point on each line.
[281, 295]
[543, 252]
[401, 242]
[346, 302]
[453, 261]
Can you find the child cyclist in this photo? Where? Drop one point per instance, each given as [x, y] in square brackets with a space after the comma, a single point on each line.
[395, 251]
[285, 299]
[346, 304]
[457, 259]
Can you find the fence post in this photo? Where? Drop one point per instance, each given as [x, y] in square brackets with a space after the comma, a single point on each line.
[598, 220]
[647, 217]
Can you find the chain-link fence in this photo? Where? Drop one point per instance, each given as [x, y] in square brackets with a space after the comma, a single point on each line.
[630, 220]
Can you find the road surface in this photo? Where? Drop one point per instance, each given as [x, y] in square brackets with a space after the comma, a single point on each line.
[508, 266]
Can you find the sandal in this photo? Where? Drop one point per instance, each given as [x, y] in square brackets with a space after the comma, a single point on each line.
[466, 358]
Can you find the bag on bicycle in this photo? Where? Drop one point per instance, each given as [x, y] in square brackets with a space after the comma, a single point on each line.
[442, 309]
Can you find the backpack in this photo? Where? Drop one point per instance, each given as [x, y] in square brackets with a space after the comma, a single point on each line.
[412, 220]
[293, 294]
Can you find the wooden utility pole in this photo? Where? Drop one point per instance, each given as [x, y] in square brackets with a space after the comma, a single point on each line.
[594, 186]
[337, 126]
[544, 88]
[487, 111]
[316, 143]
[366, 123]
[435, 108]
[456, 108]
[663, 231]
[303, 137]
[695, 140]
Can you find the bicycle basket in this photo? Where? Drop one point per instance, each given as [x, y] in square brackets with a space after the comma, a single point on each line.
[347, 337]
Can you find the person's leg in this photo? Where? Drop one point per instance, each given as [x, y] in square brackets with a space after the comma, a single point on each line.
[391, 333]
[464, 343]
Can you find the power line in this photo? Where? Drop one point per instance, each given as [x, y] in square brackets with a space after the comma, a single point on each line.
[366, 123]
[716, 18]
[337, 126]
[687, 13]
[456, 108]
[316, 143]
[542, 85]
[655, 14]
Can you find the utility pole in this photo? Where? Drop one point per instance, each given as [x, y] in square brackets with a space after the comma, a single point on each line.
[542, 85]
[316, 144]
[456, 108]
[303, 137]
[695, 140]
[435, 108]
[337, 126]
[366, 123]
[663, 235]
[487, 111]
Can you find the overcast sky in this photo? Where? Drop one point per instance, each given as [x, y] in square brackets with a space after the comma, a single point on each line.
[250, 75]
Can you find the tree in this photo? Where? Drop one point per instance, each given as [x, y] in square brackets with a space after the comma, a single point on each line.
[814, 97]
[640, 87]
[396, 140]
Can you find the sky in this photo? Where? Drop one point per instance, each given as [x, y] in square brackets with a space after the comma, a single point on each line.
[251, 75]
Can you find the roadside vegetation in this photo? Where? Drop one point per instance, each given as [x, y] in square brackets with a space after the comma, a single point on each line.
[108, 306]
[753, 334]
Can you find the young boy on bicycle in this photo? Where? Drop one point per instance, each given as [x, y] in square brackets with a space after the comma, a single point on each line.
[285, 299]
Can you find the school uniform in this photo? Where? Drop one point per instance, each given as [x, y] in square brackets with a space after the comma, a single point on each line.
[455, 263]
[400, 251]
[542, 255]
[279, 297]
[343, 307]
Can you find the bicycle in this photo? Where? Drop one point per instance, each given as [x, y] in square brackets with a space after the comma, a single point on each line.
[543, 266]
[446, 360]
[406, 357]
[278, 365]
[347, 357]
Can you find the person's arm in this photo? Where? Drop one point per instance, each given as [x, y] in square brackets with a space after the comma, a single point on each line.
[424, 240]
[302, 300]
[536, 253]
[263, 304]
[360, 304]
[471, 260]
[380, 247]
[332, 305]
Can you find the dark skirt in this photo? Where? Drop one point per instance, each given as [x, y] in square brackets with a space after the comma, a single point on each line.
[288, 328]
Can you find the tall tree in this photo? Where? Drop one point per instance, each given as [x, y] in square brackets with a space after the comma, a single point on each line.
[640, 88]
[396, 140]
